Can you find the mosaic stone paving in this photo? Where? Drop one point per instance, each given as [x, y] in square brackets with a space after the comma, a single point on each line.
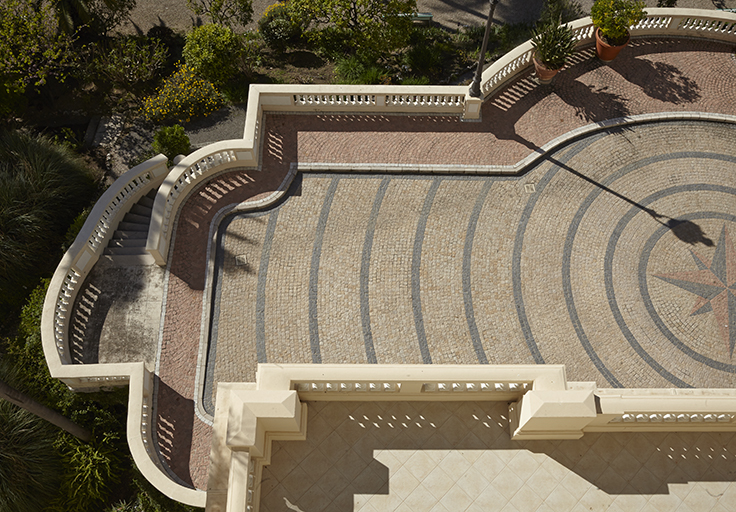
[613, 256]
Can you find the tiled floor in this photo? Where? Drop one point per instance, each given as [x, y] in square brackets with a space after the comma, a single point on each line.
[457, 456]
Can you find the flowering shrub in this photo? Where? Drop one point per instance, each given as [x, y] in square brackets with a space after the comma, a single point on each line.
[182, 97]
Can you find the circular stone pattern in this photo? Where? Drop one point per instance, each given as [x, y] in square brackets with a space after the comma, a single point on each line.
[647, 248]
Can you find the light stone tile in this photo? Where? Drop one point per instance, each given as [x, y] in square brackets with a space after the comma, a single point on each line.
[507, 483]
[420, 465]
[439, 507]
[510, 508]
[596, 500]
[437, 455]
[438, 482]
[630, 501]
[455, 464]
[420, 499]
[542, 482]
[388, 459]
[386, 502]
[523, 465]
[403, 455]
[489, 464]
[560, 500]
[684, 507]
[403, 483]
[576, 485]
[491, 500]
[526, 499]
[456, 499]
[473, 483]
[665, 502]
[700, 500]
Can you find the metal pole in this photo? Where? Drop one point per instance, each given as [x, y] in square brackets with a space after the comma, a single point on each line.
[475, 86]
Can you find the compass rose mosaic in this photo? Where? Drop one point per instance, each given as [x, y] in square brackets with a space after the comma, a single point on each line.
[713, 284]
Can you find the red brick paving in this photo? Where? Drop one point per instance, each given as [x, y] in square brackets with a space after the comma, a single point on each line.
[649, 76]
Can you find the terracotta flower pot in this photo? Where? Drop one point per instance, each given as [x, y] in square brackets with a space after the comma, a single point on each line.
[544, 74]
[605, 51]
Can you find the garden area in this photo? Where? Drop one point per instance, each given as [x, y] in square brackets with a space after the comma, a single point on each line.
[63, 64]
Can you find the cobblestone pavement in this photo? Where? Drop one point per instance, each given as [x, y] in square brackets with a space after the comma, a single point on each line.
[594, 258]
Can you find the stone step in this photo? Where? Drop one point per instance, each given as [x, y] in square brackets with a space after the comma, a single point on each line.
[147, 202]
[133, 226]
[134, 217]
[125, 235]
[139, 209]
[129, 260]
[152, 193]
[124, 250]
[127, 242]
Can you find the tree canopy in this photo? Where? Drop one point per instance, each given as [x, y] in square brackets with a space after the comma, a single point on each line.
[373, 26]
[31, 48]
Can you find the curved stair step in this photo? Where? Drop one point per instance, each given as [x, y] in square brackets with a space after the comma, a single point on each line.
[132, 226]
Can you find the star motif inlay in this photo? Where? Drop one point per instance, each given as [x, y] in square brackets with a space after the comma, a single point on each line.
[715, 286]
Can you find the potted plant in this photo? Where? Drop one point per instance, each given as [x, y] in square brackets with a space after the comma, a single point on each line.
[612, 19]
[553, 43]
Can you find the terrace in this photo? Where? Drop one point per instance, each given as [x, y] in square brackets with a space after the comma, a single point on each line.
[582, 225]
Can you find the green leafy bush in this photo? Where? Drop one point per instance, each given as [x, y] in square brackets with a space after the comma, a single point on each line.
[92, 469]
[43, 186]
[182, 97]
[213, 51]
[130, 63]
[171, 141]
[614, 17]
[428, 47]
[353, 70]
[280, 28]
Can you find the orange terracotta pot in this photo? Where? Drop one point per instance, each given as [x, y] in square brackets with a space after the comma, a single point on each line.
[544, 74]
[605, 51]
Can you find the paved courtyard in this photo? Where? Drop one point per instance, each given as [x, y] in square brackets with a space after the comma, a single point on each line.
[614, 255]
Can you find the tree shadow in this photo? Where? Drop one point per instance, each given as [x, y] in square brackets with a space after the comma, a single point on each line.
[658, 80]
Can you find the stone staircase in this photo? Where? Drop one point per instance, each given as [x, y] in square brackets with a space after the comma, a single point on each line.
[128, 243]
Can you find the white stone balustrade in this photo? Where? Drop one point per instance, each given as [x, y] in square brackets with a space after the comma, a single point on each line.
[706, 24]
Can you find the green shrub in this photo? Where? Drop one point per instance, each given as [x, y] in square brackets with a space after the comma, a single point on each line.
[130, 63]
[354, 70]
[553, 43]
[30, 468]
[74, 229]
[280, 28]
[171, 141]
[92, 469]
[42, 188]
[614, 17]
[414, 80]
[182, 97]
[213, 51]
